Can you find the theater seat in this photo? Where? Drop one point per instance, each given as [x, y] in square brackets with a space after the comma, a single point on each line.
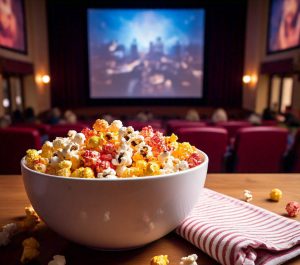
[232, 127]
[211, 140]
[42, 128]
[260, 149]
[61, 130]
[14, 143]
[174, 125]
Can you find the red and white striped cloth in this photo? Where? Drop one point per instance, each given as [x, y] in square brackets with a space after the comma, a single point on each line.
[235, 232]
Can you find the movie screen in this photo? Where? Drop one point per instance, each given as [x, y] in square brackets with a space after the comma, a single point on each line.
[143, 53]
[284, 25]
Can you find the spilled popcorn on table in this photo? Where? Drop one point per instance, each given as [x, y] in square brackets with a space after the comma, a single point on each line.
[111, 151]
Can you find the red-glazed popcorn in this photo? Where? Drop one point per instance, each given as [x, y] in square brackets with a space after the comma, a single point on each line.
[195, 159]
[91, 158]
[157, 142]
[293, 208]
[88, 132]
[147, 132]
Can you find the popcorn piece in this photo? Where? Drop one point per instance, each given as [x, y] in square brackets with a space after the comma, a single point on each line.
[100, 125]
[8, 231]
[160, 260]
[108, 173]
[189, 260]
[195, 159]
[31, 220]
[115, 126]
[32, 156]
[79, 138]
[83, 172]
[275, 195]
[248, 196]
[95, 141]
[293, 208]
[72, 133]
[47, 150]
[183, 151]
[152, 168]
[30, 251]
[58, 260]
[64, 168]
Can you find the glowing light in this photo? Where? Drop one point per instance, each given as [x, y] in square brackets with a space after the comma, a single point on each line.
[246, 79]
[45, 79]
[5, 103]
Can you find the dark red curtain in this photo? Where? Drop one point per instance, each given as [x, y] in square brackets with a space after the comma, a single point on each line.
[224, 52]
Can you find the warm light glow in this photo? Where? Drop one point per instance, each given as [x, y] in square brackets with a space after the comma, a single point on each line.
[42, 79]
[246, 79]
[45, 79]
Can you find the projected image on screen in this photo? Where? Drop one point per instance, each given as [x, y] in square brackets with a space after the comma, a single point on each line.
[143, 53]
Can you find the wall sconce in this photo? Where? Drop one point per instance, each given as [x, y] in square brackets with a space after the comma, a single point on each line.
[250, 79]
[42, 79]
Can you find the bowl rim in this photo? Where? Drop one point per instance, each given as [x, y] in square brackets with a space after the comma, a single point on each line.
[206, 160]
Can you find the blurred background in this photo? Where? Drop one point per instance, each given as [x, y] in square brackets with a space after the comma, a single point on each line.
[223, 75]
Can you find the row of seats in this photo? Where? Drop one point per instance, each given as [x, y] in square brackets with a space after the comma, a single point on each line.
[255, 149]
[251, 149]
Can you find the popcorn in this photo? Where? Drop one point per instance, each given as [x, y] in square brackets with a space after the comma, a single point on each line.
[31, 250]
[83, 172]
[100, 125]
[189, 260]
[275, 195]
[108, 173]
[31, 220]
[8, 231]
[115, 126]
[248, 196]
[293, 208]
[112, 151]
[160, 260]
[58, 260]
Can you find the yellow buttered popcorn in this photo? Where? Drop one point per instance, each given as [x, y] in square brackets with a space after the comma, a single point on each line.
[30, 250]
[183, 151]
[47, 150]
[152, 168]
[32, 156]
[160, 260]
[275, 195]
[83, 172]
[64, 168]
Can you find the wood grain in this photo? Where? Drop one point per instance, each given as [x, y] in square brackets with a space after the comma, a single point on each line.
[13, 199]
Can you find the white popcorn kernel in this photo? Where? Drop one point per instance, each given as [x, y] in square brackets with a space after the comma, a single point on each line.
[60, 143]
[123, 159]
[163, 157]
[189, 260]
[79, 138]
[115, 126]
[248, 196]
[8, 231]
[182, 165]
[72, 133]
[108, 173]
[58, 260]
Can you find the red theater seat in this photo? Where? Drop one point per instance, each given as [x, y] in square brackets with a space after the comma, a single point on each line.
[260, 149]
[232, 127]
[211, 140]
[174, 125]
[61, 130]
[14, 143]
[42, 128]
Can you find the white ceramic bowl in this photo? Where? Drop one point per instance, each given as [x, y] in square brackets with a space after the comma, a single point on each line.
[114, 213]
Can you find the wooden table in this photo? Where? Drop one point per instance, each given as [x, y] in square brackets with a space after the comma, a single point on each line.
[13, 199]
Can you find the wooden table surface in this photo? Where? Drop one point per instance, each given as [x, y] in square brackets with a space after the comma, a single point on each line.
[13, 199]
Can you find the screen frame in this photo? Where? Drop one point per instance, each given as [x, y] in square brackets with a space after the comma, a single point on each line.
[269, 52]
[182, 101]
[24, 28]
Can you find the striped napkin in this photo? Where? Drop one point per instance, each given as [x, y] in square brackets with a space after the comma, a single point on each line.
[234, 232]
